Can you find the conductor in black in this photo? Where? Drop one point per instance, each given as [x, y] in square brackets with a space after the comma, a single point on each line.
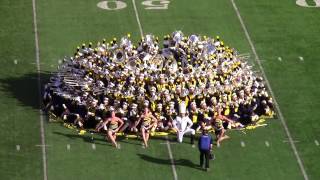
[205, 146]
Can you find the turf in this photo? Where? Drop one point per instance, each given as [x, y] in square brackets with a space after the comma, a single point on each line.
[277, 28]
[295, 83]
[19, 120]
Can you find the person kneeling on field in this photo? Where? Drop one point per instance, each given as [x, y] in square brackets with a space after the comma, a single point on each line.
[182, 125]
[112, 126]
[219, 123]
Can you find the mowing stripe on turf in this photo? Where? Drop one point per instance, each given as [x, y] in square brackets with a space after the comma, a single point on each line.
[316, 142]
[302, 168]
[167, 141]
[137, 17]
[36, 39]
[40, 145]
[286, 141]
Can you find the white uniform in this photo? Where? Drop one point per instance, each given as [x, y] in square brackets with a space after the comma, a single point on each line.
[184, 127]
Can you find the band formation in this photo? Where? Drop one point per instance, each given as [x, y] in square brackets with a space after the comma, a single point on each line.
[186, 84]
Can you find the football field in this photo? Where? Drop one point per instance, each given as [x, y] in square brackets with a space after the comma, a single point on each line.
[281, 37]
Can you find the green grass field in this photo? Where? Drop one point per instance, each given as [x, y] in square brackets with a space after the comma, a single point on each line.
[277, 29]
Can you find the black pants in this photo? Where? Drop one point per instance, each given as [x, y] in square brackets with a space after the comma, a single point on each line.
[205, 154]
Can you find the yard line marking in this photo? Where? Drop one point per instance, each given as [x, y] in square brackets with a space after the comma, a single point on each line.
[137, 17]
[171, 159]
[279, 59]
[15, 62]
[41, 119]
[93, 146]
[18, 147]
[68, 147]
[284, 124]
[243, 144]
[175, 176]
[301, 58]
[267, 143]
[316, 142]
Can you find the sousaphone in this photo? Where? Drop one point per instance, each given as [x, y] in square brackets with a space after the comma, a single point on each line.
[133, 63]
[119, 56]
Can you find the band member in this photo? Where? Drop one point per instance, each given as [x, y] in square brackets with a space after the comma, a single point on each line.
[129, 78]
[182, 125]
[112, 126]
[148, 123]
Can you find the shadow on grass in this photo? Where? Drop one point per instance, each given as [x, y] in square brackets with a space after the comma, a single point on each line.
[178, 162]
[134, 141]
[85, 138]
[25, 88]
[94, 139]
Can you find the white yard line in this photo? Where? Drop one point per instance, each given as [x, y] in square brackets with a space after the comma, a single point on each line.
[175, 176]
[293, 146]
[36, 39]
[137, 17]
[174, 171]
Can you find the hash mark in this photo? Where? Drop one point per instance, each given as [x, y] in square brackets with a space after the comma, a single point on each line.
[301, 58]
[267, 143]
[243, 144]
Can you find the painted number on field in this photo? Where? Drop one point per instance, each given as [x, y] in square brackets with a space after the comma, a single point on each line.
[112, 5]
[117, 5]
[304, 3]
[156, 4]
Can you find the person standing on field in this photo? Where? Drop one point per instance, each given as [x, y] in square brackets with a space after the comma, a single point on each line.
[205, 147]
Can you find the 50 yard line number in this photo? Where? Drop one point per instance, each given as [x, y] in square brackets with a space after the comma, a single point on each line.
[149, 4]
